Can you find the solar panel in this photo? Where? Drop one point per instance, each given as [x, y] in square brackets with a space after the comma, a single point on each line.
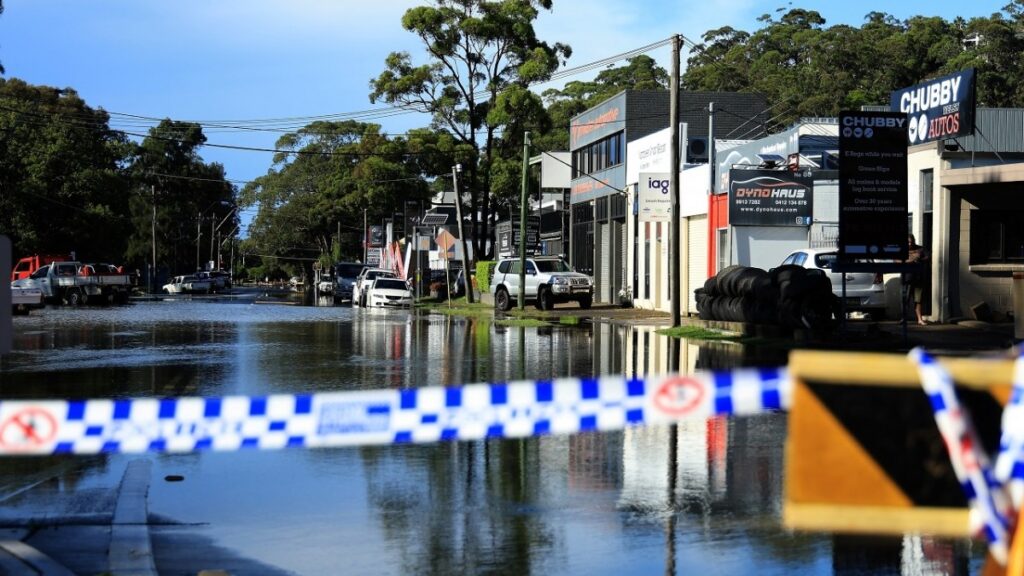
[433, 219]
[771, 158]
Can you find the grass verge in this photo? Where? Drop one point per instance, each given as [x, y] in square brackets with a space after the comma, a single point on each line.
[698, 333]
[522, 323]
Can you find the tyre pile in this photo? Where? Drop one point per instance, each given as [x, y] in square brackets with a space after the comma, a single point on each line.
[790, 296]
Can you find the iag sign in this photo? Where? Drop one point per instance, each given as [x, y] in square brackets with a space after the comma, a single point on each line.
[937, 109]
[654, 204]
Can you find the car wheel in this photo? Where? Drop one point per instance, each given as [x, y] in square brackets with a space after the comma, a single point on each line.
[501, 300]
[74, 298]
[586, 301]
[545, 299]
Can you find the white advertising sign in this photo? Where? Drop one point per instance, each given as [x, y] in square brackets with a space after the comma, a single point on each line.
[654, 203]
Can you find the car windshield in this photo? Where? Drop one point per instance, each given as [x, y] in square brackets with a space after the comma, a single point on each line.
[387, 284]
[347, 270]
[553, 266]
[378, 273]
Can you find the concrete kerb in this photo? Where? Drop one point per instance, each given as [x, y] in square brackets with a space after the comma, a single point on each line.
[131, 551]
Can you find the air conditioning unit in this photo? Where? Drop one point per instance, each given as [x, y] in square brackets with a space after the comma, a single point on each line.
[696, 150]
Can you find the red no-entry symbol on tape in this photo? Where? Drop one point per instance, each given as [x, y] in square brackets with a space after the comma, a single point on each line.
[679, 396]
[28, 429]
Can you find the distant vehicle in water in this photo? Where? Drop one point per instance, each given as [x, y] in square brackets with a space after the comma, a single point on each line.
[29, 264]
[345, 275]
[366, 277]
[219, 279]
[388, 293]
[25, 299]
[75, 283]
[188, 284]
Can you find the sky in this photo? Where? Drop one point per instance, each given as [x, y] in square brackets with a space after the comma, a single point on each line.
[249, 60]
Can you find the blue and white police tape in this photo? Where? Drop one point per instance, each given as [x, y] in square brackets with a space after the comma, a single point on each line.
[1009, 467]
[358, 418]
[990, 508]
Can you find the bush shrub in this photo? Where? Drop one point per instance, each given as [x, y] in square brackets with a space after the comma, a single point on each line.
[484, 273]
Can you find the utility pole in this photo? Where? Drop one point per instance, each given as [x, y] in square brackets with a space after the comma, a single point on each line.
[673, 182]
[366, 239]
[462, 234]
[152, 272]
[522, 222]
[199, 234]
[213, 233]
[711, 146]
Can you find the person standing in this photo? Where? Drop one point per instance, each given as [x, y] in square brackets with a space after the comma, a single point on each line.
[917, 278]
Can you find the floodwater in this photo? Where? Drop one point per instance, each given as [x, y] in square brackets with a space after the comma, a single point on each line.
[596, 503]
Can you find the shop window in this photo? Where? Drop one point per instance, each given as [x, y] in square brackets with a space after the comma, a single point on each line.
[997, 237]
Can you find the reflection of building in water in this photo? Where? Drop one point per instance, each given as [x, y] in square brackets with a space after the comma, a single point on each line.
[595, 461]
[645, 465]
[644, 351]
[923, 555]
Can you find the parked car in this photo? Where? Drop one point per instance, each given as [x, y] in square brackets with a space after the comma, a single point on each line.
[549, 280]
[366, 277]
[345, 275]
[459, 283]
[388, 292]
[864, 290]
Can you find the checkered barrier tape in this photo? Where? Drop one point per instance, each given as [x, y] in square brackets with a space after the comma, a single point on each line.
[1010, 462]
[990, 507]
[418, 415]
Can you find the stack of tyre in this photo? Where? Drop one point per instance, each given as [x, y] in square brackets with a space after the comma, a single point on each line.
[791, 296]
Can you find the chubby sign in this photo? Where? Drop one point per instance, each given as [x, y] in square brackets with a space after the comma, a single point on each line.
[938, 109]
[770, 198]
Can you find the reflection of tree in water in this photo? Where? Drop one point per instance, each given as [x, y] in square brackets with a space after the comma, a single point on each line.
[460, 507]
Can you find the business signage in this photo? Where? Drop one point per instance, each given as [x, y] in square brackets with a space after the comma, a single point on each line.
[873, 185]
[770, 198]
[508, 236]
[376, 239]
[938, 109]
[602, 120]
[654, 203]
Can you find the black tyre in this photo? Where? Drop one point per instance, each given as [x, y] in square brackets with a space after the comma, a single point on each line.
[74, 298]
[586, 301]
[501, 300]
[545, 299]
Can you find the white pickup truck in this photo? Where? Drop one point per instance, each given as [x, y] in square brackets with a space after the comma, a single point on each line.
[549, 280]
[75, 283]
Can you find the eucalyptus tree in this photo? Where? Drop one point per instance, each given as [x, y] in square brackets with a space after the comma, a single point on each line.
[480, 57]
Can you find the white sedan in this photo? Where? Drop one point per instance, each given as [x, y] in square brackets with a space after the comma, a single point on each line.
[389, 293]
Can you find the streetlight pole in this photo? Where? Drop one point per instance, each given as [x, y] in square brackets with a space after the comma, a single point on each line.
[199, 235]
[522, 222]
[462, 235]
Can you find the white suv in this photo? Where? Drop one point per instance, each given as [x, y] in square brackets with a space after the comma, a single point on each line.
[548, 280]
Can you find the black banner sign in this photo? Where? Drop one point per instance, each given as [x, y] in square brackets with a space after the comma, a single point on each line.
[770, 198]
[872, 185]
[938, 109]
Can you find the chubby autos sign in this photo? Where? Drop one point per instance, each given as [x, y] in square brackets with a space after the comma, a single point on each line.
[939, 108]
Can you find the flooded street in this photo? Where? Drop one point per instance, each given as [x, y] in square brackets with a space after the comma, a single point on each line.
[595, 503]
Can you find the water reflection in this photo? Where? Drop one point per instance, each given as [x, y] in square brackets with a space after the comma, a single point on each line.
[700, 497]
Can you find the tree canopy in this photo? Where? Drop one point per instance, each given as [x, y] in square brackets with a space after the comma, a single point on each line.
[62, 187]
[189, 194]
[810, 69]
[329, 175]
[481, 57]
